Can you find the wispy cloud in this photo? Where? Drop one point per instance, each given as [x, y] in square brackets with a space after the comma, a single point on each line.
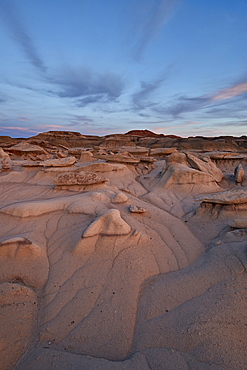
[22, 118]
[16, 128]
[86, 86]
[141, 98]
[80, 118]
[82, 82]
[152, 15]
[231, 92]
[11, 17]
[214, 104]
[144, 98]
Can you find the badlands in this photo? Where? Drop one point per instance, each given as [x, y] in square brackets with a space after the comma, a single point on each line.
[123, 252]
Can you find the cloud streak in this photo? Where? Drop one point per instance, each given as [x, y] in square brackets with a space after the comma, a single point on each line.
[214, 103]
[85, 86]
[231, 92]
[153, 14]
[20, 34]
[140, 99]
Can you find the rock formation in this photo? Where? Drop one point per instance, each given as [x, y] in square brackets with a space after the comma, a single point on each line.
[123, 252]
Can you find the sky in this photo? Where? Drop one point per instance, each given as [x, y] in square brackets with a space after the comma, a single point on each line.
[99, 67]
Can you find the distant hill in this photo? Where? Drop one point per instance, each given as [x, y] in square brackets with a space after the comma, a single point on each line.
[147, 133]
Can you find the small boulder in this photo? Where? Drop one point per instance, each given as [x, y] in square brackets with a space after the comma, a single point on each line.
[137, 209]
[239, 174]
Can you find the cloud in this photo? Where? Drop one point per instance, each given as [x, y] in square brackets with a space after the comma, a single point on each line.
[9, 15]
[182, 105]
[82, 118]
[24, 119]
[234, 123]
[231, 92]
[231, 100]
[140, 99]
[16, 128]
[86, 86]
[152, 15]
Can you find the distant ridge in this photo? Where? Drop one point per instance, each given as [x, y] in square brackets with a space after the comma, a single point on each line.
[147, 133]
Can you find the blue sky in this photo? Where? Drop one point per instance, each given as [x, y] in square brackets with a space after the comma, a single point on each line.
[109, 66]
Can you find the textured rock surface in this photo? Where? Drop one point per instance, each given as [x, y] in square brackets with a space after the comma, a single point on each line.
[204, 164]
[233, 196]
[18, 306]
[87, 281]
[59, 162]
[78, 178]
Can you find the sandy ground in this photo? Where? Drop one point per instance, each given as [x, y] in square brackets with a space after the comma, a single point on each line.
[128, 272]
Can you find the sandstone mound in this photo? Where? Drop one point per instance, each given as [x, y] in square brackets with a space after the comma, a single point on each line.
[3, 154]
[204, 164]
[109, 223]
[23, 260]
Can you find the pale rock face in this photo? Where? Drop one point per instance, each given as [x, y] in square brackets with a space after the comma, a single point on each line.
[6, 164]
[3, 154]
[24, 147]
[134, 150]
[86, 157]
[239, 223]
[239, 174]
[21, 259]
[232, 196]
[176, 157]
[162, 151]
[110, 223]
[205, 165]
[59, 162]
[104, 167]
[118, 158]
[181, 174]
[78, 178]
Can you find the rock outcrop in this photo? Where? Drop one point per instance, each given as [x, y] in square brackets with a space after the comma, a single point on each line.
[110, 223]
[78, 178]
[239, 174]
